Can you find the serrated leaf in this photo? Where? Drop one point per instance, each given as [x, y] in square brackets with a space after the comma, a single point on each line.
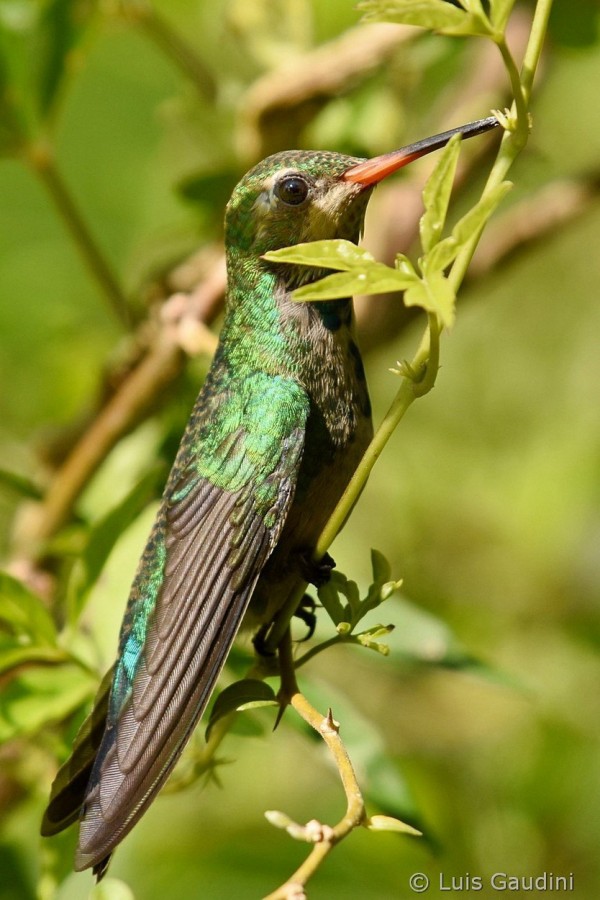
[442, 254]
[249, 693]
[24, 612]
[103, 536]
[434, 294]
[434, 14]
[376, 279]
[436, 194]
[39, 695]
[335, 254]
[437, 15]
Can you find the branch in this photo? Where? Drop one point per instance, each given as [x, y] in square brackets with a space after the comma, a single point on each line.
[173, 45]
[158, 368]
[39, 158]
[324, 837]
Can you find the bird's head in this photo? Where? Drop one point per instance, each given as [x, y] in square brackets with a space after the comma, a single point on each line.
[299, 196]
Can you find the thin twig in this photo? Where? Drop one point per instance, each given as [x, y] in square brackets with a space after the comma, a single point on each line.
[326, 726]
[135, 396]
[40, 159]
[173, 45]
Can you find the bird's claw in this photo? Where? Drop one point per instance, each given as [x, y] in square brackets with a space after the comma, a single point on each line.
[317, 573]
[306, 612]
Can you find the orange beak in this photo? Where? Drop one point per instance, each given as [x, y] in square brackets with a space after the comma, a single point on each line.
[374, 170]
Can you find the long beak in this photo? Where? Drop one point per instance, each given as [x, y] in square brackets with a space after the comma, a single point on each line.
[373, 170]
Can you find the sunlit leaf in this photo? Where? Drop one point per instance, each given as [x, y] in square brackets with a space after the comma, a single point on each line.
[435, 295]
[24, 612]
[388, 823]
[435, 14]
[249, 693]
[475, 219]
[380, 567]
[500, 12]
[335, 254]
[436, 194]
[465, 229]
[377, 279]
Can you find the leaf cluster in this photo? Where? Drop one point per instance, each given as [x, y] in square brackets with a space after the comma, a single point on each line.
[425, 285]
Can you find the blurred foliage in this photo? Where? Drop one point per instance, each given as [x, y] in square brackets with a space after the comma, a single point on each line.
[482, 725]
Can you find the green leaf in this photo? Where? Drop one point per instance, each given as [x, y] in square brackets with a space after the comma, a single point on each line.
[471, 223]
[61, 29]
[436, 194]
[249, 693]
[388, 823]
[359, 272]
[439, 257]
[335, 254]
[20, 484]
[500, 13]
[24, 612]
[380, 567]
[369, 638]
[329, 598]
[103, 536]
[465, 229]
[39, 695]
[376, 279]
[37, 46]
[435, 295]
[13, 654]
[435, 14]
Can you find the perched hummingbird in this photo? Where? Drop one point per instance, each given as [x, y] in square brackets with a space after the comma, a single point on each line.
[277, 431]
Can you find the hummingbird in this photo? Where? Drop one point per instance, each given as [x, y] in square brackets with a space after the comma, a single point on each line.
[277, 431]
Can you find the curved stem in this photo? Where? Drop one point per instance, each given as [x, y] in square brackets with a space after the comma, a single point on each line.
[535, 44]
[177, 49]
[513, 141]
[328, 729]
[40, 158]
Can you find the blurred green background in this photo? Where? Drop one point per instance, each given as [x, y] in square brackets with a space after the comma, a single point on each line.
[483, 724]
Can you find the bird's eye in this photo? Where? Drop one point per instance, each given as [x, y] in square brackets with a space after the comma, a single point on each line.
[292, 190]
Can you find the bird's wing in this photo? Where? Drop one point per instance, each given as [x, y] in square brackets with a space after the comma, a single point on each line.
[224, 506]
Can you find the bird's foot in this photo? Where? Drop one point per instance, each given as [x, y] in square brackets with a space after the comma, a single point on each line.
[317, 573]
[306, 612]
[260, 642]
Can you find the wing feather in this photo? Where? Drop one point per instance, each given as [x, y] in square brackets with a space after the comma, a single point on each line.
[210, 544]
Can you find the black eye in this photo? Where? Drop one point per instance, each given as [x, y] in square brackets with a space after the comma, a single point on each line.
[292, 190]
